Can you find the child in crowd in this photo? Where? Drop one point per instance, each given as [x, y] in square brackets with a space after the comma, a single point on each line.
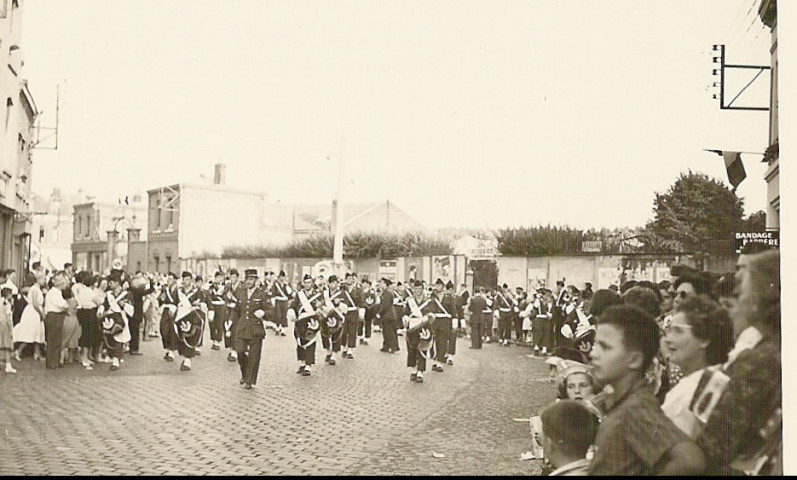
[635, 436]
[569, 428]
[6, 328]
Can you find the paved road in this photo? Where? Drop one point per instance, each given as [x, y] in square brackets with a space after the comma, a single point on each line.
[362, 416]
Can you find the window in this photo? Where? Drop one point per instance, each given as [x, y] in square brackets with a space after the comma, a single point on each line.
[157, 263]
[79, 228]
[168, 264]
[41, 234]
[158, 203]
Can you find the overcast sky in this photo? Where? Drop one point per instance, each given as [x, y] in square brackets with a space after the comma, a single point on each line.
[463, 113]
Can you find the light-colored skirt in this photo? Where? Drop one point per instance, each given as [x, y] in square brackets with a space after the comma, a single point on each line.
[30, 328]
[6, 334]
[71, 333]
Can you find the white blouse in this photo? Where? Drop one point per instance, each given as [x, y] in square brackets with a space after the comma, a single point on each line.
[676, 404]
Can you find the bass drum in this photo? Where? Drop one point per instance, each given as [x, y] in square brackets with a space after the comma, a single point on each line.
[426, 338]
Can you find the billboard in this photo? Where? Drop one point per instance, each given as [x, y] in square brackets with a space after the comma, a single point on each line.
[771, 239]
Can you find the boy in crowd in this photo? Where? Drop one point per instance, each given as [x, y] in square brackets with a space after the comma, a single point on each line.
[635, 436]
[568, 430]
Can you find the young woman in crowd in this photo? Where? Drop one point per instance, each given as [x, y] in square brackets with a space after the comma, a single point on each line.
[30, 329]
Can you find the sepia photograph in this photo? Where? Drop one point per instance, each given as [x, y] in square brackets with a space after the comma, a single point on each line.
[421, 237]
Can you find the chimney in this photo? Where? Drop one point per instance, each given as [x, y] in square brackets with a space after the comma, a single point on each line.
[219, 174]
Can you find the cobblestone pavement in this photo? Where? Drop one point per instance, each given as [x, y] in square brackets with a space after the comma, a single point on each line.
[362, 416]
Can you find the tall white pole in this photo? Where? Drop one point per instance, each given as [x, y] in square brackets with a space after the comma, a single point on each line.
[337, 249]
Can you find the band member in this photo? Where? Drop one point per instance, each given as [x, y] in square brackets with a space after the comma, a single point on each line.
[201, 301]
[115, 314]
[479, 309]
[251, 305]
[332, 327]
[229, 325]
[387, 315]
[188, 321]
[450, 302]
[400, 296]
[218, 310]
[504, 305]
[353, 300]
[442, 326]
[463, 297]
[557, 312]
[168, 303]
[368, 311]
[419, 319]
[282, 294]
[307, 311]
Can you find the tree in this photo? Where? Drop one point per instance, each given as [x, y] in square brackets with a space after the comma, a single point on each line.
[696, 214]
[756, 222]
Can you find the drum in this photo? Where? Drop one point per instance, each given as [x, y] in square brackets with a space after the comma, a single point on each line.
[426, 338]
[312, 326]
[113, 323]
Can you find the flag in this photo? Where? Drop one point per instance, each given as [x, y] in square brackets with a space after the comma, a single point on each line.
[735, 168]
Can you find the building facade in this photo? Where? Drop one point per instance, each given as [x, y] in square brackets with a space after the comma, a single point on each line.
[768, 13]
[16, 141]
[52, 227]
[100, 232]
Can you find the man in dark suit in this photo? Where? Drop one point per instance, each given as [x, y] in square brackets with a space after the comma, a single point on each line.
[387, 314]
[479, 310]
[251, 306]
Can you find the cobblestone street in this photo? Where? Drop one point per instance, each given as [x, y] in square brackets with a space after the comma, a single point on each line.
[362, 416]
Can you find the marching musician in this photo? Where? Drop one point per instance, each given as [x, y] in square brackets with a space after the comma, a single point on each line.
[419, 320]
[306, 311]
[368, 311]
[332, 327]
[218, 309]
[251, 305]
[168, 303]
[441, 328]
[557, 312]
[188, 320]
[229, 325]
[353, 300]
[115, 314]
[282, 298]
[504, 305]
[450, 302]
[201, 301]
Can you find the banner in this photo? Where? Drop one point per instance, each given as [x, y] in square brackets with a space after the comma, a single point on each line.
[771, 239]
[442, 268]
[388, 269]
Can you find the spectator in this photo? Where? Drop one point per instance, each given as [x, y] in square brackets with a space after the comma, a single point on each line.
[690, 284]
[576, 382]
[55, 309]
[644, 298]
[635, 437]
[724, 291]
[601, 300]
[627, 286]
[88, 299]
[30, 329]
[6, 328]
[568, 430]
[752, 396]
[70, 345]
[666, 295]
[699, 336]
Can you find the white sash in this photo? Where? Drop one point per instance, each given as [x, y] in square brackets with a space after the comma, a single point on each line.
[306, 305]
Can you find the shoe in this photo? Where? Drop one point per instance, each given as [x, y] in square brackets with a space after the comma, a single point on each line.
[16, 357]
[231, 357]
[348, 355]
[242, 381]
[301, 369]
[136, 353]
[198, 353]
[248, 386]
[10, 369]
[413, 377]
[386, 350]
[419, 379]
[437, 368]
[450, 361]
[114, 367]
[306, 372]
[332, 361]
[215, 347]
[37, 357]
[184, 367]
[282, 334]
[365, 341]
[328, 358]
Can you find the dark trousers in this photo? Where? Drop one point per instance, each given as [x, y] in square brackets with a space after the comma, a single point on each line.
[53, 336]
[414, 357]
[389, 336]
[135, 333]
[451, 344]
[115, 349]
[217, 325]
[281, 311]
[306, 354]
[487, 326]
[249, 350]
[536, 332]
[518, 327]
[168, 335]
[331, 340]
[229, 329]
[364, 328]
[505, 326]
[350, 329]
[476, 332]
[442, 327]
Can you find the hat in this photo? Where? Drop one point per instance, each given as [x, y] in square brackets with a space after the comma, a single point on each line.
[332, 278]
[450, 284]
[234, 271]
[250, 272]
[282, 274]
[307, 277]
[198, 278]
[387, 281]
[218, 274]
[348, 275]
[186, 273]
[439, 282]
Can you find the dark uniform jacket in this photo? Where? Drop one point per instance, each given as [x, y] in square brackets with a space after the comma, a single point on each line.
[247, 325]
[386, 311]
[478, 306]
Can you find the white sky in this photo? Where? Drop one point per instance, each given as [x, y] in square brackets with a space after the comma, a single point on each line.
[464, 113]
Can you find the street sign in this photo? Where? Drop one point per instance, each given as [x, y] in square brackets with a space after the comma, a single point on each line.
[767, 238]
[591, 246]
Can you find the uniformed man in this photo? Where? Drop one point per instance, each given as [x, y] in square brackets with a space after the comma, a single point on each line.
[188, 322]
[353, 299]
[201, 301]
[282, 298]
[368, 311]
[114, 318]
[218, 310]
[306, 311]
[251, 306]
[557, 312]
[441, 327]
[400, 295]
[450, 304]
[229, 326]
[419, 319]
[335, 318]
[504, 305]
[479, 309]
[386, 314]
[168, 300]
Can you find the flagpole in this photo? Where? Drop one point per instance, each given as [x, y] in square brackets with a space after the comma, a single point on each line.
[337, 248]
